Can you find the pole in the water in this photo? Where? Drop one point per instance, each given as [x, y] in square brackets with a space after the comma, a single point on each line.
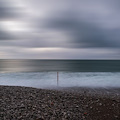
[57, 78]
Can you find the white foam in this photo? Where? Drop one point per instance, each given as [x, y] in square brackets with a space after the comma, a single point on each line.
[66, 79]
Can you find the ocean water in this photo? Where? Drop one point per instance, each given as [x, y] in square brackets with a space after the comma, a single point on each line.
[66, 79]
[60, 65]
[43, 73]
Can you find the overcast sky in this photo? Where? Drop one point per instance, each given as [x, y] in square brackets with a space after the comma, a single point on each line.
[59, 29]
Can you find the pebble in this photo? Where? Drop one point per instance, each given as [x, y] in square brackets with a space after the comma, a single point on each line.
[22, 103]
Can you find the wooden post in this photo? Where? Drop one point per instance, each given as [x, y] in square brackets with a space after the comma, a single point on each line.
[57, 78]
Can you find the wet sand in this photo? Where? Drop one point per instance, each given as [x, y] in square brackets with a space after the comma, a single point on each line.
[25, 103]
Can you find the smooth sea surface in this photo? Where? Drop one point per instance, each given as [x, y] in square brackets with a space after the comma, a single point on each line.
[43, 73]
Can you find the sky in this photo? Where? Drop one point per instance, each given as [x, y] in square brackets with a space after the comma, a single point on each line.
[59, 29]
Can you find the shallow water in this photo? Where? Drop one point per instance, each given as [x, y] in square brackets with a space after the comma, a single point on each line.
[66, 79]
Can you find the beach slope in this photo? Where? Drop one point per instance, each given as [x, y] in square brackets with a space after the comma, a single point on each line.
[25, 103]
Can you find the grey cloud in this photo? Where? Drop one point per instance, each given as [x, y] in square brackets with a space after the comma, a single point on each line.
[4, 35]
[85, 24]
[83, 33]
[8, 10]
[32, 43]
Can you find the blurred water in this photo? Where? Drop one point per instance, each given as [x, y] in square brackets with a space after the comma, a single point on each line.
[60, 65]
[66, 79]
[43, 73]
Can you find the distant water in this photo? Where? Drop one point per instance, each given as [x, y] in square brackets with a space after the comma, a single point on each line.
[60, 65]
[43, 73]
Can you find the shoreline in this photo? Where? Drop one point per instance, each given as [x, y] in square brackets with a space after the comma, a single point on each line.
[73, 103]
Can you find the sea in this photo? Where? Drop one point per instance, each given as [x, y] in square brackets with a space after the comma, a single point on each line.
[60, 73]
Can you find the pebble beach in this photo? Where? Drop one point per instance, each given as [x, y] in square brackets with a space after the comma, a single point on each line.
[27, 103]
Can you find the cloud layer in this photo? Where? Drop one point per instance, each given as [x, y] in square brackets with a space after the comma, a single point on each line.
[74, 29]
